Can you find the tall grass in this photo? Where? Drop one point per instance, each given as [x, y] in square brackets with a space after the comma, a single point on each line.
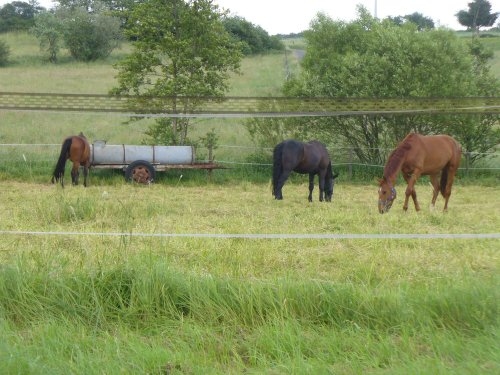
[99, 304]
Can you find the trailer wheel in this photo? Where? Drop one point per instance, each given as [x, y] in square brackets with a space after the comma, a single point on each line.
[140, 171]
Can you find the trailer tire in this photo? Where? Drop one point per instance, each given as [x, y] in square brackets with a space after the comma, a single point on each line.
[141, 172]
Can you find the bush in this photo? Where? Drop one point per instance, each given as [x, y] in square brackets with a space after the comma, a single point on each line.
[91, 36]
[4, 53]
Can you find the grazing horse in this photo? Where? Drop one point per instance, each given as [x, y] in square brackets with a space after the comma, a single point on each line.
[77, 149]
[415, 156]
[305, 158]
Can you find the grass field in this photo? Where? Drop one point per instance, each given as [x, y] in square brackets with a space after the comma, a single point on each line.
[121, 278]
[99, 304]
[260, 76]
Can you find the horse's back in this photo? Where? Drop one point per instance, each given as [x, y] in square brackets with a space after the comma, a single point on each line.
[292, 153]
[439, 151]
[80, 148]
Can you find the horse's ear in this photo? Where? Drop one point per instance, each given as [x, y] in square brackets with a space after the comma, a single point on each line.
[378, 181]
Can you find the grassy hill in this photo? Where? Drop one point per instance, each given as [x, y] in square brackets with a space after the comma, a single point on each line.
[261, 75]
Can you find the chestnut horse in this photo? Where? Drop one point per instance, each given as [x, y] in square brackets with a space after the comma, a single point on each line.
[415, 156]
[77, 149]
[305, 158]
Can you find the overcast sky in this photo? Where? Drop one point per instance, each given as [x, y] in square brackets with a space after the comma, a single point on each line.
[292, 16]
[288, 16]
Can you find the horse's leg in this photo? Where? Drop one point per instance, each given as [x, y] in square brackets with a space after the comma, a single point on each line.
[410, 190]
[85, 173]
[449, 183]
[321, 183]
[435, 186]
[311, 188]
[279, 185]
[75, 171]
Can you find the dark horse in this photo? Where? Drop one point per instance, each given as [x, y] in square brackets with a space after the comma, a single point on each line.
[77, 149]
[306, 158]
[419, 155]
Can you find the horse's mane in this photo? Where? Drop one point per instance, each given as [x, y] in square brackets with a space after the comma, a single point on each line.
[394, 161]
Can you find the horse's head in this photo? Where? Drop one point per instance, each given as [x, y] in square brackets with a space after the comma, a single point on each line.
[386, 195]
[329, 184]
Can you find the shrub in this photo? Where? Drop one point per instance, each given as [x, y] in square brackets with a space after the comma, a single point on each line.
[90, 36]
[4, 53]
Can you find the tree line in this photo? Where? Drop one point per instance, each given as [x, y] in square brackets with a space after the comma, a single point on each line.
[91, 29]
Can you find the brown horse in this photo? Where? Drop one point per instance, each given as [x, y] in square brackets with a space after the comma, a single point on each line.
[305, 158]
[77, 149]
[419, 155]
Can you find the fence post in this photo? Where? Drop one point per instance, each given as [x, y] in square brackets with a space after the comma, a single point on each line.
[351, 156]
[467, 162]
[210, 160]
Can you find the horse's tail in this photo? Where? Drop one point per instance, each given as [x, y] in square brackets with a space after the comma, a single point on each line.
[277, 164]
[455, 161]
[61, 162]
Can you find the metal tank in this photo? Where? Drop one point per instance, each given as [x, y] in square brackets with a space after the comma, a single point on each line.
[140, 162]
[126, 154]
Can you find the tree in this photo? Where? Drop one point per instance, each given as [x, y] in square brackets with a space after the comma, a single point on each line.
[420, 20]
[116, 8]
[479, 15]
[49, 32]
[182, 53]
[18, 15]
[254, 38]
[89, 35]
[4, 53]
[368, 58]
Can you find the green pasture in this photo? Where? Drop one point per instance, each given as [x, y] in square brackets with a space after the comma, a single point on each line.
[120, 278]
[140, 302]
[259, 76]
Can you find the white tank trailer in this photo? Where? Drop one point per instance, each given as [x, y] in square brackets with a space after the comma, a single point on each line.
[140, 162]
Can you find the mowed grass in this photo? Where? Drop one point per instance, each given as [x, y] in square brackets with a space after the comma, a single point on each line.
[140, 303]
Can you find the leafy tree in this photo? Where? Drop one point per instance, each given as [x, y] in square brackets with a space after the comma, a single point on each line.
[116, 8]
[478, 15]
[181, 53]
[18, 15]
[49, 32]
[90, 5]
[89, 35]
[371, 59]
[420, 20]
[254, 38]
[4, 53]
[397, 20]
